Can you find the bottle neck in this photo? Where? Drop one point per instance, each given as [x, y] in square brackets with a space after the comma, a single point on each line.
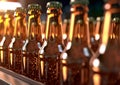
[20, 28]
[1, 26]
[33, 26]
[53, 27]
[79, 29]
[114, 33]
[8, 27]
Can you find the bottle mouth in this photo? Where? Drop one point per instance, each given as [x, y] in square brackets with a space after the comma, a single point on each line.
[83, 2]
[34, 7]
[54, 4]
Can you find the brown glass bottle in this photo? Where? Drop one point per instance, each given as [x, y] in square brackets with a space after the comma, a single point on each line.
[76, 55]
[19, 36]
[106, 62]
[65, 27]
[8, 34]
[1, 24]
[1, 34]
[50, 66]
[95, 27]
[30, 48]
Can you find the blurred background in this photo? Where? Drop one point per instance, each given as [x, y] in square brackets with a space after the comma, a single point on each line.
[27, 56]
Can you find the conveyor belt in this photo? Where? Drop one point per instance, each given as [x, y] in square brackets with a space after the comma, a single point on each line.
[8, 77]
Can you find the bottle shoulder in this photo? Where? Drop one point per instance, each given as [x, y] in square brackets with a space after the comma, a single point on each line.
[109, 60]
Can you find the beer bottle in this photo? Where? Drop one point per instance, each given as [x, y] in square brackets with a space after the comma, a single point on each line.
[50, 53]
[19, 36]
[95, 26]
[1, 24]
[106, 62]
[7, 36]
[31, 46]
[76, 54]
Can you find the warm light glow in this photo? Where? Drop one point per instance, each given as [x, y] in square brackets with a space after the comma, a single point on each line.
[11, 43]
[6, 16]
[96, 79]
[96, 63]
[41, 51]
[11, 58]
[1, 20]
[6, 23]
[29, 28]
[107, 6]
[64, 36]
[24, 46]
[78, 35]
[24, 62]
[64, 56]
[105, 34]
[3, 0]
[69, 44]
[72, 9]
[102, 49]
[97, 28]
[33, 34]
[64, 69]
[72, 0]
[18, 33]
[97, 37]
[45, 43]
[98, 18]
[41, 56]
[47, 25]
[42, 65]
[16, 21]
[88, 32]
[53, 35]
[1, 55]
[113, 36]
[2, 41]
[43, 35]
[71, 26]
[9, 5]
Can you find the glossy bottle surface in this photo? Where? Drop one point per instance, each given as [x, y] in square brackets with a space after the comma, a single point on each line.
[7, 36]
[107, 56]
[19, 36]
[30, 48]
[50, 60]
[76, 55]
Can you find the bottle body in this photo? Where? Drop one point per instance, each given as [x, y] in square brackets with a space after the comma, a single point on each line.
[1, 25]
[107, 56]
[107, 70]
[76, 55]
[50, 58]
[15, 47]
[8, 33]
[31, 46]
